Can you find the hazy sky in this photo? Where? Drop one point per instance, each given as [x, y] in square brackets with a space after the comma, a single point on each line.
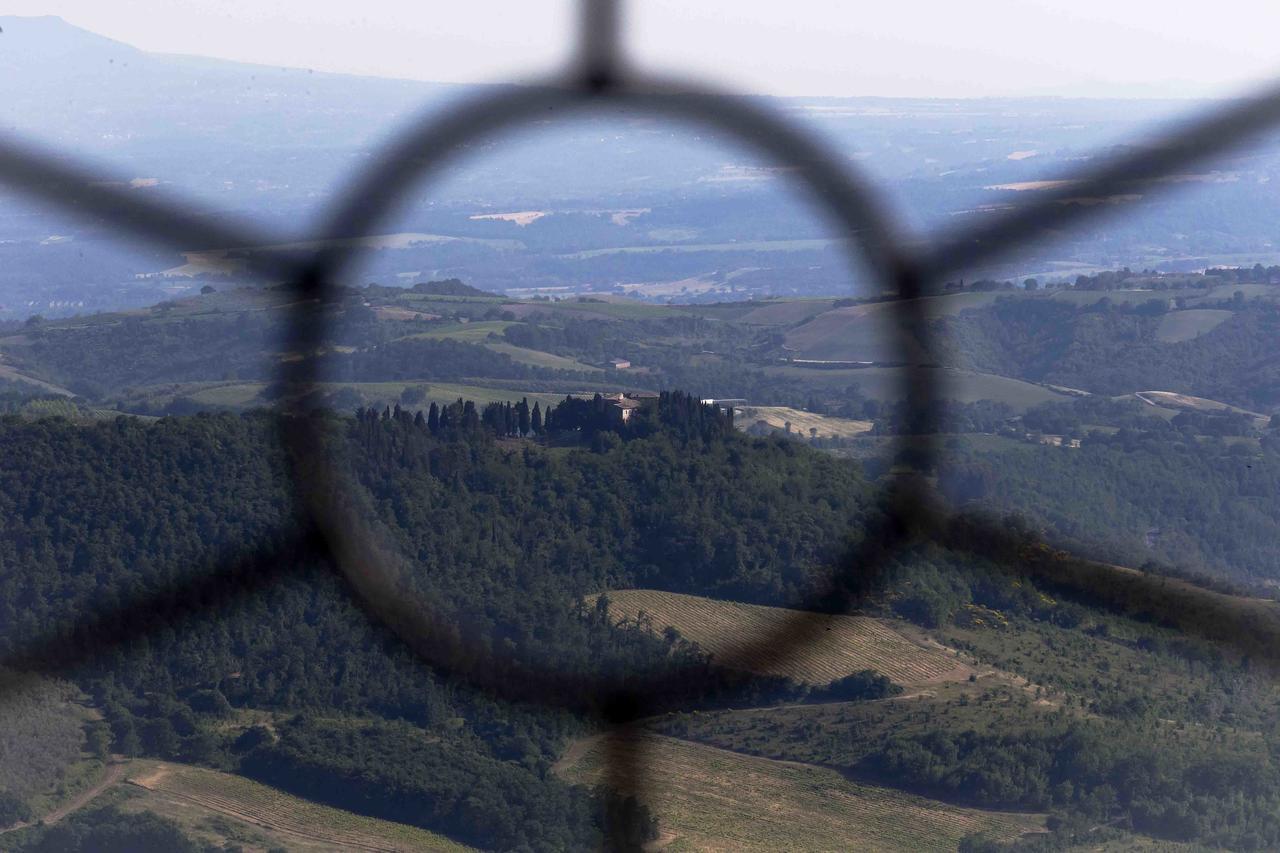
[902, 47]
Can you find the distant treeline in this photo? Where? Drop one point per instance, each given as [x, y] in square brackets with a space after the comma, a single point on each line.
[1112, 348]
[1127, 279]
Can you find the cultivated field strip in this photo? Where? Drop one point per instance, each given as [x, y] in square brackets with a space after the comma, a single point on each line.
[847, 644]
[716, 800]
[801, 422]
[248, 801]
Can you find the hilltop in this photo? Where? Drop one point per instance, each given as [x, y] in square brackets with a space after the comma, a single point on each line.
[450, 287]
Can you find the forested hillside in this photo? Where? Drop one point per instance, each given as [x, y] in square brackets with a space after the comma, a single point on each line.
[1203, 505]
[507, 513]
[1115, 347]
[518, 535]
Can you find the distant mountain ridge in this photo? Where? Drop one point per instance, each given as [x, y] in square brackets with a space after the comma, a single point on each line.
[621, 201]
[49, 36]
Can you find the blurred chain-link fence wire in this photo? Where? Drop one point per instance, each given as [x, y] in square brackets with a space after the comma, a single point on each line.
[342, 528]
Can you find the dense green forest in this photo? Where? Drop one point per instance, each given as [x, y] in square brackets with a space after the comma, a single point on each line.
[43, 733]
[1136, 496]
[109, 830]
[509, 539]
[390, 770]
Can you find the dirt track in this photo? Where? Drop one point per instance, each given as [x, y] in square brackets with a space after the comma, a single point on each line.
[114, 773]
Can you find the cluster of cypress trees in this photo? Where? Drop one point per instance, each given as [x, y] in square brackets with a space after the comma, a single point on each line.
[674, 411]
[463, 416]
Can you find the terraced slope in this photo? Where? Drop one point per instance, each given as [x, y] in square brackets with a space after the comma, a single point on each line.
[306, 825]
[848, 644]
[715, 800]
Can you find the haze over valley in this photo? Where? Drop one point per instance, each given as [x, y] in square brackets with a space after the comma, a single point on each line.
[597, 203]
[601, 505]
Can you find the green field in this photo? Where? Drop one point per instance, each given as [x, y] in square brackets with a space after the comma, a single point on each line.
[235, 394]
[1250, 291]
[60, 408]
[869, 331]
[538, 358]
[476, 332]
[857, 333]
[712, 799]
[241, 395]
[9, 374]
[965, 386]
[621, 309]
[1089, 297]
[489, 333]
[1178, 326]
[786, 312]
[442, 392]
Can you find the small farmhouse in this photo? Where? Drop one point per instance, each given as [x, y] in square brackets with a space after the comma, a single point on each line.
[623, 404]
[624, 407]
[1052, 440]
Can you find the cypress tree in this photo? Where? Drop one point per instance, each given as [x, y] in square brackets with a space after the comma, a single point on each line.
[522, 416]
